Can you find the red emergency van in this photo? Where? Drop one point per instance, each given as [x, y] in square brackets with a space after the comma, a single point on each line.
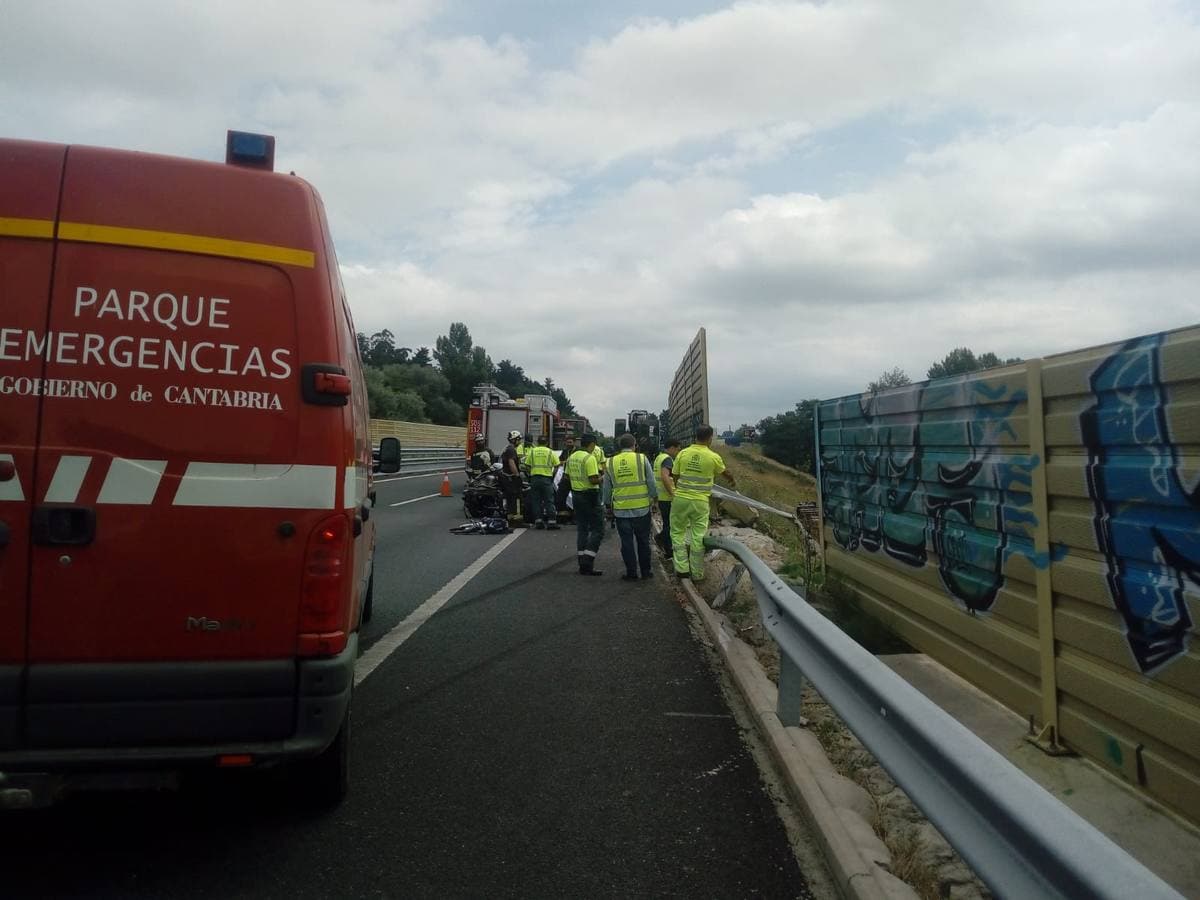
[185, 473]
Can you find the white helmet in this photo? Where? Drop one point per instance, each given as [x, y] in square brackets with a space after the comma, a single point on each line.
[514, 435]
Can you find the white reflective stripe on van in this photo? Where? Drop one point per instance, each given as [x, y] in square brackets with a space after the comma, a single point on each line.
[245, 485]
[11, 489]
[68, 479]
[132, 481]
[354, 486]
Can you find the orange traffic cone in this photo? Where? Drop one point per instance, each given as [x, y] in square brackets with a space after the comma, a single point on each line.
[446, 484]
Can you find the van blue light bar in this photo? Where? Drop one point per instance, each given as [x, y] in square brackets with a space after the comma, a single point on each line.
[254, 151]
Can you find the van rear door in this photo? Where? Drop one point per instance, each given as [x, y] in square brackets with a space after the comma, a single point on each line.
[176, 484]
[30, 175]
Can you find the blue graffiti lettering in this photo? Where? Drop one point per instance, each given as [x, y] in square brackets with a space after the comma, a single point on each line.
[1147, 522]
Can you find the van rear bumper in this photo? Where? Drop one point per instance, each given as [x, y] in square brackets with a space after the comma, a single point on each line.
[192, 713]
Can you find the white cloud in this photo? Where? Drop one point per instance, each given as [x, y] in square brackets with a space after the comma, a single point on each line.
[584, 219]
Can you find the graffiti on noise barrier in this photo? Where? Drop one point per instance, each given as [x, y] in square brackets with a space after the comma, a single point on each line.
[1147, 520]
[928, 468]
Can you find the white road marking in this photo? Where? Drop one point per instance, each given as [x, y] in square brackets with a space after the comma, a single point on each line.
[414, 500]
[390, 642]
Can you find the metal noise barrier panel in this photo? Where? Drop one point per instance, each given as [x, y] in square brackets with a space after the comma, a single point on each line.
[1018, 838]
[1036, 528]
[688, 396]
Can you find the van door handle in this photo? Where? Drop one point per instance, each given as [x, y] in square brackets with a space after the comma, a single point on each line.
[71, 525]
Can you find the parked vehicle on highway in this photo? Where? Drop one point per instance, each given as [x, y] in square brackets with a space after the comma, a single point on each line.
[186, 539]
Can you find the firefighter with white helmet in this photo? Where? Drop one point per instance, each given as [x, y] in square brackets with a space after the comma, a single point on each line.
[510, 460]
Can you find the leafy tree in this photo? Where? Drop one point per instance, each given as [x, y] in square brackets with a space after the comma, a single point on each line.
[382, 348]
[444, 411]
[896, 377]
[384, 402]
[410, 407]
[566, 409]
[381, 399]
[962, 360]
[991, 360]
[406, 385]
[788, 437]
[463, 364]
[431, 386]
[422, 381]
[510, 378]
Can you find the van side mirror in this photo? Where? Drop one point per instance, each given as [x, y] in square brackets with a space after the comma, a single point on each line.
[389, 455]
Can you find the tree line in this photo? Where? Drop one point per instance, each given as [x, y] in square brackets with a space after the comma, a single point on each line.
[436, 385]
[788, 437]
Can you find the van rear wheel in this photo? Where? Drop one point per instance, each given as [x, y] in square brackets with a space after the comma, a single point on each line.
[368, 606]
[324, 780]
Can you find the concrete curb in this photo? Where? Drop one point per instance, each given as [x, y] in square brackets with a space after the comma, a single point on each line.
[838, 810]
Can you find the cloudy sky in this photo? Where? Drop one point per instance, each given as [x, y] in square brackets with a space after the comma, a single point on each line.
[832, 189]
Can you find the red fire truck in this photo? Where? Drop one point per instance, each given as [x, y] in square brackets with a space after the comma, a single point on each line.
[494, 414]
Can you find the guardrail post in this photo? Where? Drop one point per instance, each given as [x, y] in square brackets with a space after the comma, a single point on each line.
[791, 690]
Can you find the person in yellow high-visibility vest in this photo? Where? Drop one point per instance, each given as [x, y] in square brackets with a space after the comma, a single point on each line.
[694, 470]
[665, 482]
[542, 463]
[601, 459]
[589, 514]
[525, 449]
[629, 490]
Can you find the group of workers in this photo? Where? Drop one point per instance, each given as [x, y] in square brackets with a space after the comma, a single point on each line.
[628, 485]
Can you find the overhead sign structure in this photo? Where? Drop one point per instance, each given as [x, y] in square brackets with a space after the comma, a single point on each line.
[689, 391]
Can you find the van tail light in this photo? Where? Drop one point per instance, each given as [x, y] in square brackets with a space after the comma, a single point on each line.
[325, 589]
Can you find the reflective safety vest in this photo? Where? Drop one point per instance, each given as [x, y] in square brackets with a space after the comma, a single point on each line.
[599, 454]
[542, 461]
[663, 496]
[694, 470]
[523, 454]
[628, 473]
[579, 467]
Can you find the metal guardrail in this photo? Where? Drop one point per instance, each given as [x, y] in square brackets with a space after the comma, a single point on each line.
[1017, 837]
[428, 459]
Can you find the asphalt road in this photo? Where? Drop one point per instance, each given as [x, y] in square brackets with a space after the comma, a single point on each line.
[543, 735]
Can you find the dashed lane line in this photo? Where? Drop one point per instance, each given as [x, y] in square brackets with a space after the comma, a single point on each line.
[390, 642]
[414, 500]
